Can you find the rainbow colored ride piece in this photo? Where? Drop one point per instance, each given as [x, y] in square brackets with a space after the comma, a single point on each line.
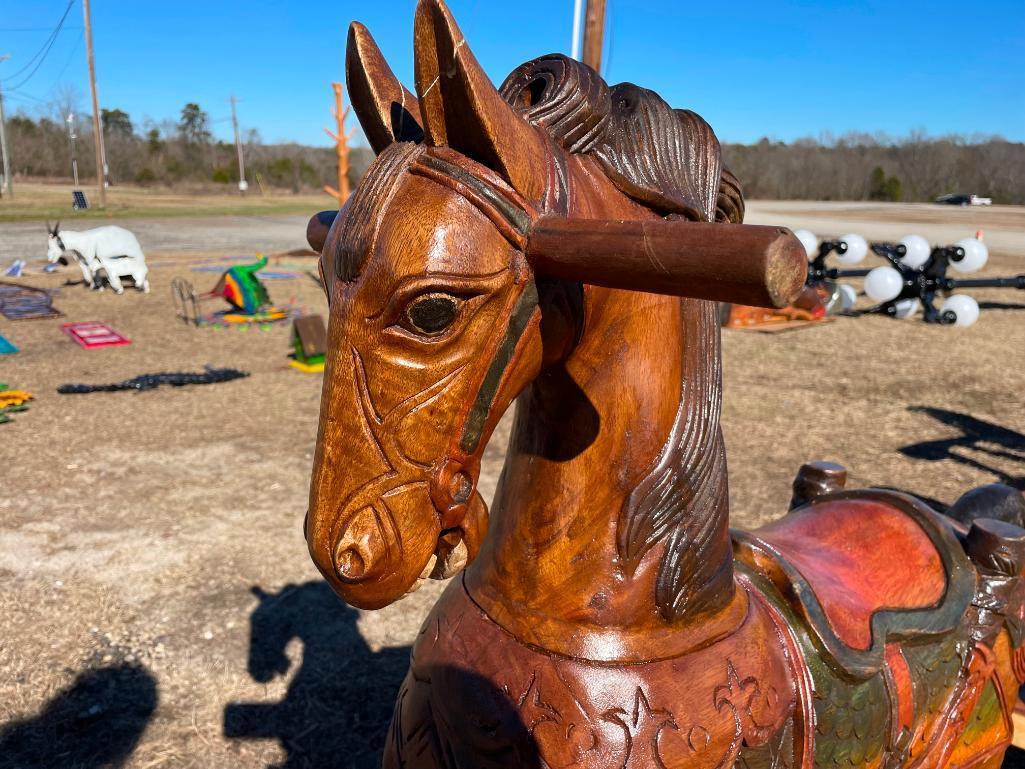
[242, 289]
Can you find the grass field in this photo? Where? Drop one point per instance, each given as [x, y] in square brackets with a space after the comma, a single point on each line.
[52, 201]
[159, 607]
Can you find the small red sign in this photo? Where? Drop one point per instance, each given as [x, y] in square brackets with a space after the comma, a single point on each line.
[91, 335]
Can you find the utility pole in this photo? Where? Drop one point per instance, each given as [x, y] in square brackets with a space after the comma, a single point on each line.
[8, 186]
[243, 185]
[594, 34]
[342, 143]
[101, 154]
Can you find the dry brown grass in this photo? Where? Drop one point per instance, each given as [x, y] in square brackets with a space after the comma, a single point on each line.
[133, 526]
[52, 200]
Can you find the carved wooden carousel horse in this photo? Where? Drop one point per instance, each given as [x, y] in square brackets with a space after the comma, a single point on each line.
[533, 244]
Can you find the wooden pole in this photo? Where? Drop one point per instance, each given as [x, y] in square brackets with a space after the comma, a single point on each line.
[8, 185]
[342, 144]
[739, 263]
[594, 34]
[101, 155]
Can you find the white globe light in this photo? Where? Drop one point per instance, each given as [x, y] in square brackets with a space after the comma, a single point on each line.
[964, 307]
[918, 250]
[857, 247]
[975, 255]
[883, 284]
[809, 241]
[905, 308]
[848, 296]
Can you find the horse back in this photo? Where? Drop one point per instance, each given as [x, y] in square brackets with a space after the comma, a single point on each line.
[900, 660]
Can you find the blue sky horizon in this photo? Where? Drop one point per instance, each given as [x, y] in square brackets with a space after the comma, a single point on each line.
[789, 71]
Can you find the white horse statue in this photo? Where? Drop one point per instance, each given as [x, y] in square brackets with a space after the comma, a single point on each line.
[112, 249]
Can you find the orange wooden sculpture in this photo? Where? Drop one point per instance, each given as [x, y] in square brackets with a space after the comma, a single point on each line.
[533, 244]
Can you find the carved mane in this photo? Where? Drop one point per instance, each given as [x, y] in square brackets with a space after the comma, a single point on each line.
[670, 161]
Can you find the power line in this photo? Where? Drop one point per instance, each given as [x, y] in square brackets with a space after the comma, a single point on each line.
[25, 97]
[33, 29]
[43, 52]
[74, 50]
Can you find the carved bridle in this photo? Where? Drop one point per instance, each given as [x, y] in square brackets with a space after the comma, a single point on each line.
[452, 483]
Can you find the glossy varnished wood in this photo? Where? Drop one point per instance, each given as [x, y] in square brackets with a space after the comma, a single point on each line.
[561, 244]
[751, 264]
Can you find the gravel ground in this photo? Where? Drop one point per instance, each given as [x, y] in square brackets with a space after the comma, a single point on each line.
[160, 608]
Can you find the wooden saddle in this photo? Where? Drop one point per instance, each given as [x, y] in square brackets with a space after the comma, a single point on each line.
[826, 657]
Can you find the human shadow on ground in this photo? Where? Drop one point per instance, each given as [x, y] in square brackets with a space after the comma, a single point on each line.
[96, 722]
[977, 437]
[336, 712]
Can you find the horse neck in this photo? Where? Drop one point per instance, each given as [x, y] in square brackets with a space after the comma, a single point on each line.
[611, 517]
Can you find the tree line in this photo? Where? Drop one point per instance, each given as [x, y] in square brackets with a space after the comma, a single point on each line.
[171, 153]
[866, 167]
[852, 167]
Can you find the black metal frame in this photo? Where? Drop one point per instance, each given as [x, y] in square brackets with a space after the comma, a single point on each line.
[819, 273]
[925, 282]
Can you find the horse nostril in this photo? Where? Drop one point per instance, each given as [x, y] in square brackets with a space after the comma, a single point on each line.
[350, 564]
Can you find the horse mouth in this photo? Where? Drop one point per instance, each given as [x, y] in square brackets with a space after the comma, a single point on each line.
[355, 563]
[449, 558]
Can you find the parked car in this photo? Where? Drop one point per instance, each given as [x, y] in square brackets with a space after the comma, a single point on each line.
[963, 199]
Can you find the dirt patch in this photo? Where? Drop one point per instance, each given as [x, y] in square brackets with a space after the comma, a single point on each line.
[157, 585]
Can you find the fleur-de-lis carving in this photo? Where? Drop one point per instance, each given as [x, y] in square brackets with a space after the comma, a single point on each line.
[736, 694]
[533, 709]
[641, 728]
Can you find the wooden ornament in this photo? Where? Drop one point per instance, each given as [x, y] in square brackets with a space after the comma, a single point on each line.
[533, 247]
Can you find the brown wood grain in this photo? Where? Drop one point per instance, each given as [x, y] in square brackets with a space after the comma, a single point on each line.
[532, 246]
[745, 264]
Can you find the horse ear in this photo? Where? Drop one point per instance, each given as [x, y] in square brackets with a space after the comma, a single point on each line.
[387, 111]
[57, 228]
[462, 109]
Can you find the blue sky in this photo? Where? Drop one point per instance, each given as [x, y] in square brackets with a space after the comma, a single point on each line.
[752, 68]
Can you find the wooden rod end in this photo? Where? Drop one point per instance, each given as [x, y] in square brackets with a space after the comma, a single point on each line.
[786, 268]
[318, 228]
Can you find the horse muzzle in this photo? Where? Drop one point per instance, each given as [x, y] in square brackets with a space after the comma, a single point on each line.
[385, 547]
[374, 543]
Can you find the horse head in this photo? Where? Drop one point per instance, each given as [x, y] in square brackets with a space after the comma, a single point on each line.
[440, 314]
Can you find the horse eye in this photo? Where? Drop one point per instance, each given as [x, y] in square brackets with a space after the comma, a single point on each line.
[433, 313]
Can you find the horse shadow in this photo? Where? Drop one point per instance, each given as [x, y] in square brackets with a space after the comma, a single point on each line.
[978, 437]
[95, 722]
[338, 705]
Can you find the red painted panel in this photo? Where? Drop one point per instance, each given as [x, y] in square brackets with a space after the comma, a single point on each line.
[859, 556]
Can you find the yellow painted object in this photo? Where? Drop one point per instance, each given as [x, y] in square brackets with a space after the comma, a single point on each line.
[269, 315]
[13, 398]
[310, 368]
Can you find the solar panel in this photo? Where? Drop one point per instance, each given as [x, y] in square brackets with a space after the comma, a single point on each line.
[78, 201]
